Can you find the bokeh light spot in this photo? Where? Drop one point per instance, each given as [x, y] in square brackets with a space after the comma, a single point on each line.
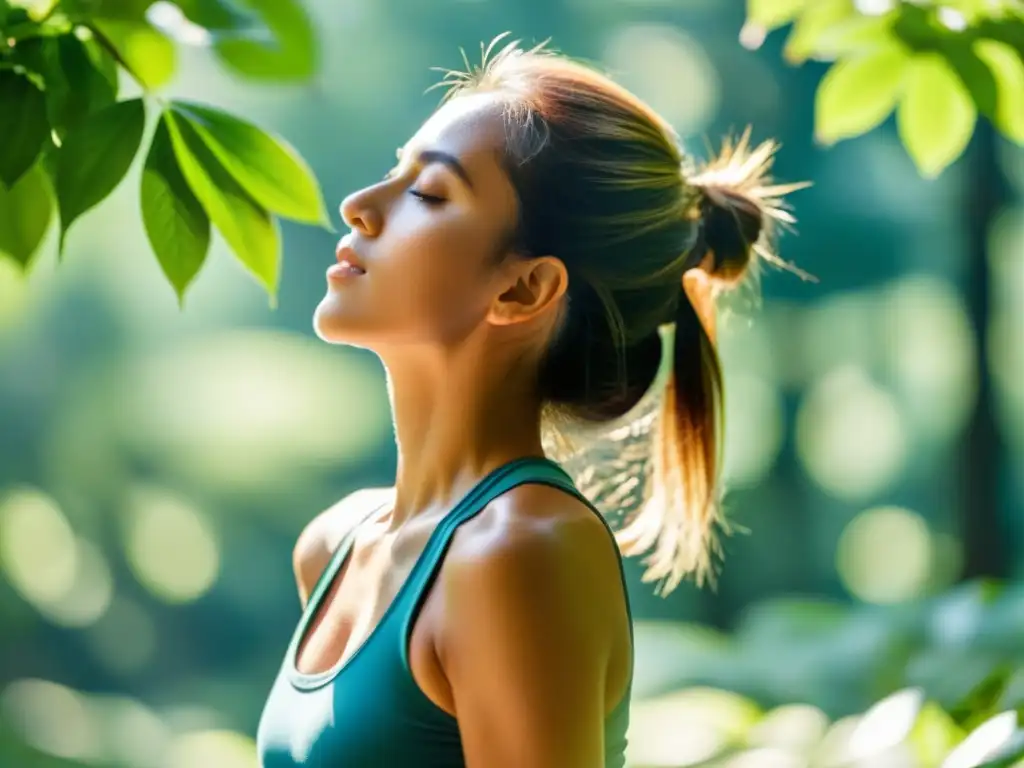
[641, 54]
[37, 546]
[224, 749]
[51, 718]
[91, 593]
[250, 411]
[850, 435]
[169, 545]
[925, 332]
[885, 555]
[687, 726]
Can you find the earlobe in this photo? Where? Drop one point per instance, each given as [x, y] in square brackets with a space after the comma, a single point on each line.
[537, 287]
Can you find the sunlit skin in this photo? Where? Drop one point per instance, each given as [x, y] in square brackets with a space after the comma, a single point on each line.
[524, 636]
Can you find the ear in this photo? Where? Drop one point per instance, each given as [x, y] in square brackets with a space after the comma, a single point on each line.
[531, 288]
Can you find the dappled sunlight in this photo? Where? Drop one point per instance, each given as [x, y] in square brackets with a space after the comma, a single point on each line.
[64, 577]
[640, 53]
[93, 590]
[169, 545]
[686, 727]
[885, 555]
[132, 733]
[925, 335]
[243, 410]
[795, 727]
[52, 718]
[37, 546]
[115, 731]
[237, 411]
[224, 749]
[158, 460]
[851, 437]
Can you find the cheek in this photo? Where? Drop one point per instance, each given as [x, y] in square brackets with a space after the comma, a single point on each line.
[426, 283]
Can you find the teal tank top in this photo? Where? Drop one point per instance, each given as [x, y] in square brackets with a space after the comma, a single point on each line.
[369, 712]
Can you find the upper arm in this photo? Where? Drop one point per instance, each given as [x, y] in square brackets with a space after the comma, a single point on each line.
[529, 629]
[320, 538]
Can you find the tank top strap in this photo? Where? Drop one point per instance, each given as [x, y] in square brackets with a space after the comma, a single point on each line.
[338, 557]
[530, 470]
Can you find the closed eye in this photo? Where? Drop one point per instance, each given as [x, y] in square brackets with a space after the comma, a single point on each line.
[427, 199]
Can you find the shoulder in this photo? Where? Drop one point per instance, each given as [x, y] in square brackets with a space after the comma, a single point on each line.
[534, 635]
[321, 536]
[536, 558]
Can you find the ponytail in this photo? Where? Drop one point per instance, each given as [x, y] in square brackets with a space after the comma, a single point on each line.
[600, 182]
[679, 523]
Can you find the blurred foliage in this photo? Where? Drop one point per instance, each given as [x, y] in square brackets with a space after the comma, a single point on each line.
[939, 671]
[793, 687]
[166, 460]
[937, 64]
[69, 141]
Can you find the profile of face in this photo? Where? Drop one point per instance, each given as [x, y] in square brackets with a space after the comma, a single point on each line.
[423, 261]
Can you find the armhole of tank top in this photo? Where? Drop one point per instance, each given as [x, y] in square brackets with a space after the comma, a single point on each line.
[563, 481]
[532, 471]
[327, 576]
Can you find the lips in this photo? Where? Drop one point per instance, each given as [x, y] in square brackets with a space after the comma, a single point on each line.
[349, 264]
[348, 258]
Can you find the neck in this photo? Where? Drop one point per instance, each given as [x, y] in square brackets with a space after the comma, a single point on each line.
[453, 425]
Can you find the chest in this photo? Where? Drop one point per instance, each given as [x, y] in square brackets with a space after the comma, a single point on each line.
[362, 594]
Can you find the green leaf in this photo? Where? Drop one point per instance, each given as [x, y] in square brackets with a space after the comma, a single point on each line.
[974, 73]
[23, 126]
[36, 9]
[176, 224]
[936, 116]
[25, 213]
[1007, 70]
[95, 157]
[292, 54]
[816, 20]
[248, 228]
[1006, 29]
[934, 734]
[266, 166]
[145, 53]
[856, 95]
[771, 14]
[215, 15]
[853, 36]
[75, 86]
[124, 10]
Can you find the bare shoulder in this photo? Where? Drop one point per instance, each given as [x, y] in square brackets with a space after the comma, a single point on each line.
[320, 538]
[538, 555]
[534, 639]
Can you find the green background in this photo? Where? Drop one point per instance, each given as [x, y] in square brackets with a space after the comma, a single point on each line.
[156, 464]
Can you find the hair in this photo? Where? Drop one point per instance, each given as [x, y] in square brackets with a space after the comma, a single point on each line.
[604, 185]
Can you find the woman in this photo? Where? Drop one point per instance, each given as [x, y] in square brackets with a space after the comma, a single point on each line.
[517, 265]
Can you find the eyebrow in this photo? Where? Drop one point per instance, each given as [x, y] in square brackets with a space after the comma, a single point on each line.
[428, 156]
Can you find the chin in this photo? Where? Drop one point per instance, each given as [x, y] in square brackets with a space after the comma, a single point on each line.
[332, 326]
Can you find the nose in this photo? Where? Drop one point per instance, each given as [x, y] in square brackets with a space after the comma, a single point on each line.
[360, 214]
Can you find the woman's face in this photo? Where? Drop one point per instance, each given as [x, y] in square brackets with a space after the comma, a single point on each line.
[419, 266]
